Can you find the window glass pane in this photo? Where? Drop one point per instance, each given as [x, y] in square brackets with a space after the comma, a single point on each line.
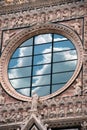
[13, 63]
[68, 65]
[63, 56]
[64, 45]
[40, 80]
[41, 91]
[16, 53]
[28, 42]
[20, 83]
[25, 51]
[25, 91]
[58, 37]
[41, 69]
[61, 77]
[20, 62]
[57, 87]
[43, 48]
[44, 38]
[43, 63]
[19, 72]
[42, 59]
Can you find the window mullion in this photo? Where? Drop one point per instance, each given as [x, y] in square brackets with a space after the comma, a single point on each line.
[51, 64]
[32, 67]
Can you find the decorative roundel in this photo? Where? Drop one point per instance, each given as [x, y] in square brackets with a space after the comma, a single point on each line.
[42, 64]
[44, 60]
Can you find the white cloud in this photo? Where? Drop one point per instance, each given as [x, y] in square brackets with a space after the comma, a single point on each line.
[70, 55]
[43, 38]
[60, 39]
[24, 91]
[47, 38]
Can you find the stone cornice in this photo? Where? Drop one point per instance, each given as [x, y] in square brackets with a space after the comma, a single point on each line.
[29, 5]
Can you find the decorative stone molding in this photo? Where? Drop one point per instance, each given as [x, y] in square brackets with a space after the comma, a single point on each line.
[42, 15]
[8, 35]
[77, 87]
[17, 5]
[24, 35]
[34, 121]
[37, 16]
[66, 112]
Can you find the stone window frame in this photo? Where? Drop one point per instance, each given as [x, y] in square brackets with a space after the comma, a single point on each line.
[27, 33]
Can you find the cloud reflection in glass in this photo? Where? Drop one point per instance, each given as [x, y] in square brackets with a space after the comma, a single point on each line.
[42, 64]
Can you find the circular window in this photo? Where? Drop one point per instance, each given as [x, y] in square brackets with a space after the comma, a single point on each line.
[44, 59]
[43, 64]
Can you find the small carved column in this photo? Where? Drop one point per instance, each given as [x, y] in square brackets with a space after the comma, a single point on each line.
[34, 102]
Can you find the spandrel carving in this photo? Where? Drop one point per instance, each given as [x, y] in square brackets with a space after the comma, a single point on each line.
[77, 87]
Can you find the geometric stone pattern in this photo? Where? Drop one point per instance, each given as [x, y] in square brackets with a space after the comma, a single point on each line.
[62, 108]
[34, 128]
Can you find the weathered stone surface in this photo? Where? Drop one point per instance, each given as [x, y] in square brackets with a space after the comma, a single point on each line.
[68, 108]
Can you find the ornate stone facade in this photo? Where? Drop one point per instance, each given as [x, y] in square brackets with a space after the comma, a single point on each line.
[21, 19]
[60, 108]
[29, 32]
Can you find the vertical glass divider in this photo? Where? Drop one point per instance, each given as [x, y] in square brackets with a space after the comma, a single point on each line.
[51, 64]
[32, 66]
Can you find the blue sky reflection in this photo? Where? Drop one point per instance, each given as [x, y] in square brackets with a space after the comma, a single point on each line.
[42, 64]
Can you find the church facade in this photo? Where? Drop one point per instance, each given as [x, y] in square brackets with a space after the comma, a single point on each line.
[43, 65]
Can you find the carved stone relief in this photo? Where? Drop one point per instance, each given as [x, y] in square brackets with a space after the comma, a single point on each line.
[7, 35]
[76, 25]
[85, 32]
[77, 87]
[84, 125]
[22, 18]
[74, 108]
[2, 98]
[34, 128]
[59, 107]
[26, 32]
[33, 17]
